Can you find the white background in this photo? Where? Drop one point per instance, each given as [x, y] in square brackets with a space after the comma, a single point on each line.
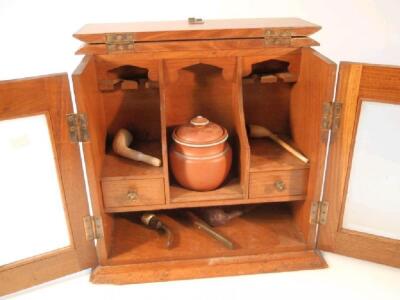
[36, 36]
[36, 39]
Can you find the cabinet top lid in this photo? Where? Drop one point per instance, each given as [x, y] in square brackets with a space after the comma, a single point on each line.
[189, 30]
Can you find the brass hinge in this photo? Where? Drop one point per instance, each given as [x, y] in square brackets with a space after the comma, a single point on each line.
[77, 126]
[331, 114]
[119, 42]
[278, 37]
[93, 227]
[319, 212]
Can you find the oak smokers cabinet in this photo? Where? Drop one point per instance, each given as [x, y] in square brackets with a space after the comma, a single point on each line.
[152, 77]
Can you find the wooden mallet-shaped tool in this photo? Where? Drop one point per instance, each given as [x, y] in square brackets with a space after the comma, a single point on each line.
[257, 131]
[121, 143]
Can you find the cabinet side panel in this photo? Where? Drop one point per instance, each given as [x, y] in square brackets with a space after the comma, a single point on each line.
[314, 87]
[89, 101]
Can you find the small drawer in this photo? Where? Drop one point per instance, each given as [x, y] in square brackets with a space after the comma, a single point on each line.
[278, 183]
[122, 193]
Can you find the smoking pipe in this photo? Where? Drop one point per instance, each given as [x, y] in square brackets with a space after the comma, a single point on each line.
[203, 226]
[153, 222]
[121, 143]
[216, 216]
[257, 131]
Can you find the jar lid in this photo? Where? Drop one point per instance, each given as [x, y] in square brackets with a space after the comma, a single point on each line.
[200, 132]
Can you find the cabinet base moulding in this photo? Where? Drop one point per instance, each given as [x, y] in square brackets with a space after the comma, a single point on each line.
[209, 267]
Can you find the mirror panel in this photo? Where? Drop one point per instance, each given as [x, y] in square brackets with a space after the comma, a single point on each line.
[30, 191]
[373, 196]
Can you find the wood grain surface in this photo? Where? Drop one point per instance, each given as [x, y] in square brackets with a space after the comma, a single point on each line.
[266, 229]
[50, 95]
[356, 81]
[146, 192]
[182, 30]
[264, 184]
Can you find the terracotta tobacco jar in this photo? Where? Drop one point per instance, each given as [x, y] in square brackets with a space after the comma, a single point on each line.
[200, 156]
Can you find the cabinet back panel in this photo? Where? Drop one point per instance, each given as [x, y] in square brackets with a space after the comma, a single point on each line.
[199, 90]
[136, 110]
[268, 105]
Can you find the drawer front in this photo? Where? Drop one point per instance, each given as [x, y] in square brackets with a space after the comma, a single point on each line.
[278, 183]
[123, 193]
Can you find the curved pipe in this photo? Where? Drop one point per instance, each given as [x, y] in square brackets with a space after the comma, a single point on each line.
[121, 143]
[257, 131]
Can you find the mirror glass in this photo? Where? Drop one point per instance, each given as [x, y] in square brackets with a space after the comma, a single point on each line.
[32, 218]
[373, 196]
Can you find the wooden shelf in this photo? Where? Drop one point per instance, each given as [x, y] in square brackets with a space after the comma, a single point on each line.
[117, 168]
[266, 229]
[229, 190]
[266, 155]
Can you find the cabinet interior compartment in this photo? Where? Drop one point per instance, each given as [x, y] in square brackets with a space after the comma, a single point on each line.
[267, 95]
[205, 88]
[132, 103]
[109, 105]
[212, 88]
[267, 228]
[285, 93]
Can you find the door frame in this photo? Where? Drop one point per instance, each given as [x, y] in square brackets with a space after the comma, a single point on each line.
[357, 82]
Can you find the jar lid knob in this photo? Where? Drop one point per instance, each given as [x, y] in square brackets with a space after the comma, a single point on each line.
[199, 121]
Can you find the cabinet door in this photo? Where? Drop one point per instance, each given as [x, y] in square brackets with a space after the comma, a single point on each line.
[42, 193]
[363, 175]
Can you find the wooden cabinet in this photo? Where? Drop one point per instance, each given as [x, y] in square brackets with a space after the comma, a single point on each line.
[150, 78]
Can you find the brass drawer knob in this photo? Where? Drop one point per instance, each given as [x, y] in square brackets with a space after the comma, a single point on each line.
[279, 185]
[131, 195]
